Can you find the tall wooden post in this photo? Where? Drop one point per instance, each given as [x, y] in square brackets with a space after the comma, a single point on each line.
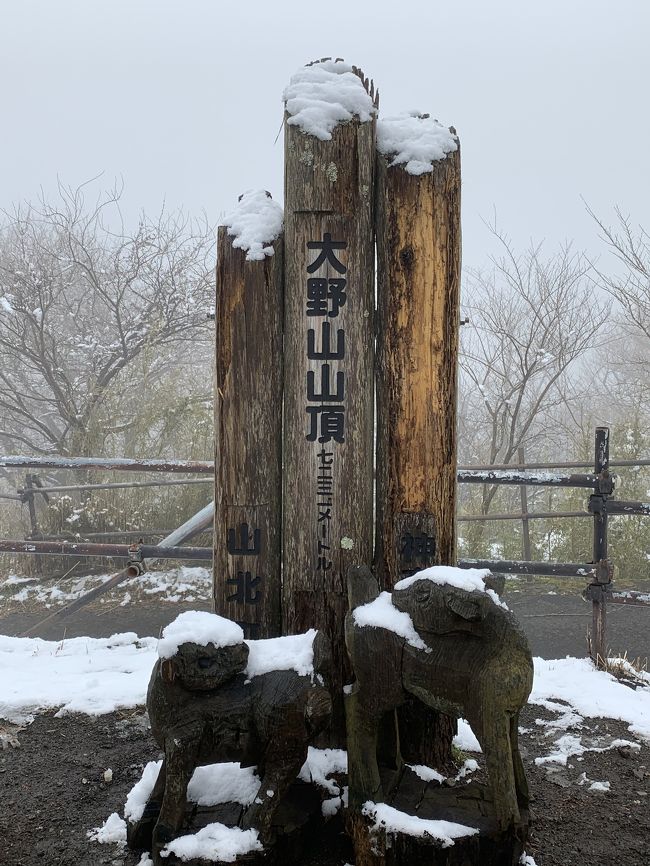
[525, 522]
[419, 251]
[33, 521]
[600, 552]
[248, 438]
[328, 379]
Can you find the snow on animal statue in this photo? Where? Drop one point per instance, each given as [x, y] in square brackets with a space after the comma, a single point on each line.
[208, 702]
[455, 647]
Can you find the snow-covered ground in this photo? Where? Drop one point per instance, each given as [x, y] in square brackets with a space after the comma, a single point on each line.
[99, 675]
[96, 676]
[184, 584]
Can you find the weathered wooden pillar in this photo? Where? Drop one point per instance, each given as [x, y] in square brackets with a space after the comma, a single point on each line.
[248, 436]
[600, 552]
[33, 521]
[328, 374]
[419, 253]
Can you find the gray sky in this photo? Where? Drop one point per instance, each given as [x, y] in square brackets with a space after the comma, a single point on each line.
[182, 99]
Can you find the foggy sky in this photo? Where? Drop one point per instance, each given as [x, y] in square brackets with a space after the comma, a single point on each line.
[183, 100]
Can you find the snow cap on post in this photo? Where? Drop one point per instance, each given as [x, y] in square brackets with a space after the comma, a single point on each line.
[198, 627]
[414, 141]
[325, 93]
[255, 223]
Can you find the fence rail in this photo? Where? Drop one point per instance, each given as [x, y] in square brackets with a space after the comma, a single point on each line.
[530, 479]
[519, 566]
[601, 506]
[116, 464]
[114, 551]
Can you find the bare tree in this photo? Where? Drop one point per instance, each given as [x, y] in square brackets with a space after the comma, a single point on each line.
[532, 318]
[89, 313]
[629, 286]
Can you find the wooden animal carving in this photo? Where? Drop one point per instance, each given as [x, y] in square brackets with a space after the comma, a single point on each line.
[205, 707]
[459, 651]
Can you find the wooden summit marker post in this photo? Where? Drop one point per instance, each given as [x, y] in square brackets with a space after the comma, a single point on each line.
[419, 258]
[248, 434]
[328, 353]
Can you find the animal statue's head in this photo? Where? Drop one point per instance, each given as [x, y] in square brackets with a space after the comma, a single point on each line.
[201, 651]
[200, 668]
[439, 608]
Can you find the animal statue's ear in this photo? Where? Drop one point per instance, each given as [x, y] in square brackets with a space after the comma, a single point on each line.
[464, 608]
[167, 670]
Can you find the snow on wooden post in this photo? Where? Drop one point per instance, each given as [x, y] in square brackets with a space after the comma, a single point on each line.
[248, 435]
[419, 252]
[328, 350]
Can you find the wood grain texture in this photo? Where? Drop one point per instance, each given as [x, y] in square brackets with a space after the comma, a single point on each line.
[328, 189]
[248, 438]
[418, 299]
[419, 256]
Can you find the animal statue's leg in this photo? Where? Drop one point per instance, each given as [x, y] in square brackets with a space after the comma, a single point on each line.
[521, 783]
[285, 754]
[362, 729]
[139, 834]
[495, 741]
[276, 781]
[181, 751]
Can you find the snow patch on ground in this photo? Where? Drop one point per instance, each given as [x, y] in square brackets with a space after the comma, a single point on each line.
[76, 675]
[381, 613]
[100, 675]
[255, 223]
[569, 745]
[112, 831]
[414, 140]
[187, 583]
[321, 96]
[393, 821]
[591, 693]
[593, 786]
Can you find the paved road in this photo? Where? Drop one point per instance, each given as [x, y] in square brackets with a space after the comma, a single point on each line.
[556, 625]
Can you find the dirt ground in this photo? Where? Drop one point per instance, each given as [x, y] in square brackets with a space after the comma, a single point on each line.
[52, 792]
[52, 789]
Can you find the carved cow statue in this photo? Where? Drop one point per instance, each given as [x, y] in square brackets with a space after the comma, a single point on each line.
[466, 657]
[205, 708]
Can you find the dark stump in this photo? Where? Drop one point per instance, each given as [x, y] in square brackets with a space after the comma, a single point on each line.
[468, 803]
[299, 830]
